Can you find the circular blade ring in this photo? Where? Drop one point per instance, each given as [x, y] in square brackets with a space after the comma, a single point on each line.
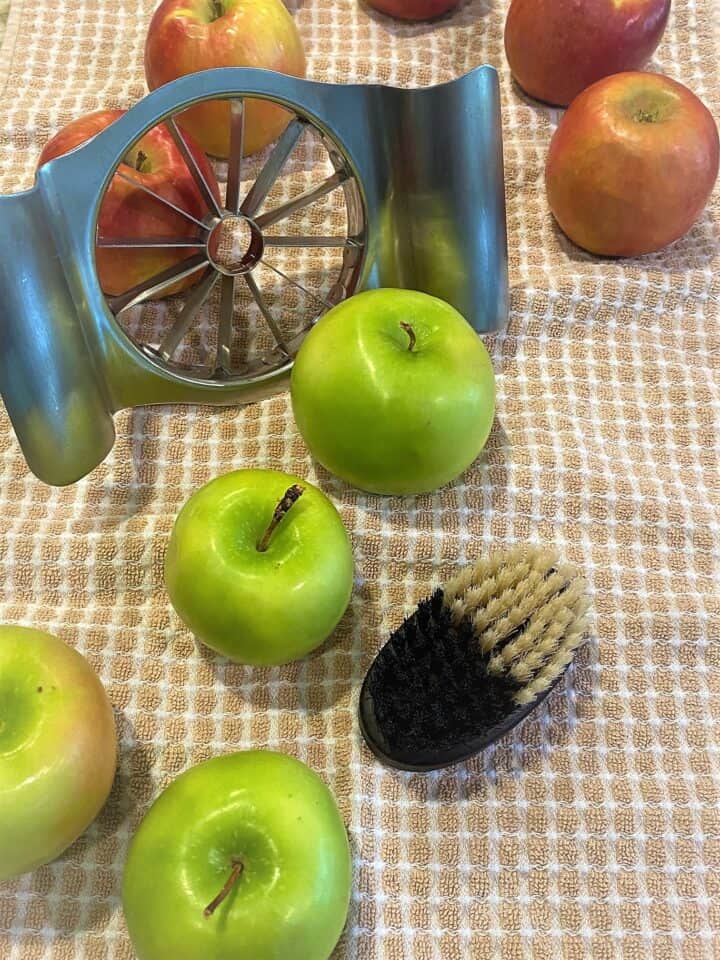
[243, 258]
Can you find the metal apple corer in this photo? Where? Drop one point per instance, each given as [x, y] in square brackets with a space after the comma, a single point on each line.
[368, 186]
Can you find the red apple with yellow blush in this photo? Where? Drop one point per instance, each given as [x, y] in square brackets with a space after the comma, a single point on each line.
[187, 36]
[632, 164]
[129, 212]
[556, 48]
[57, 748]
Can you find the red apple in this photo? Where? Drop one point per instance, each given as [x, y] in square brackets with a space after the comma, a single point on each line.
[632, 164]
[190, 35]
[128, 212]
[556, 48]
[57, 748]
[414, 9]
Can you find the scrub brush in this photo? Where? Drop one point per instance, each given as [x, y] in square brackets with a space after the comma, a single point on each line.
[474, 659]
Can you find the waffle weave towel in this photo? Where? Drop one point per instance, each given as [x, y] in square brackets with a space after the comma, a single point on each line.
[592, 831]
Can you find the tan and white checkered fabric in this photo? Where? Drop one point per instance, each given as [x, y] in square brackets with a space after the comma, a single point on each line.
[594, 830]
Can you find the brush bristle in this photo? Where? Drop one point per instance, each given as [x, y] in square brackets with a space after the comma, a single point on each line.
[528, 615]
[430, 687]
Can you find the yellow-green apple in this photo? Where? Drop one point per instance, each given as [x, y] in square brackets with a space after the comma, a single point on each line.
[129, 212]
[186, 36]
[394, 392]
[245, 855]
[556, 48]
[414, 9]
[259, 566]
[632, 164]
[57, 748]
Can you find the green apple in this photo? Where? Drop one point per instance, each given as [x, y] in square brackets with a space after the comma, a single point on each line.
[259, 566]
[394, 392]
[243, 856]
[57, 748]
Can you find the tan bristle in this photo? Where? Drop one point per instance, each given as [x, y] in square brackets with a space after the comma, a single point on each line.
[551, 619]
[529, 592]
[540, 648]
[478, 584]
[524, 656]
[478, 596]
[458, 585]
[501, 565]
[554, 667]
[497, 592]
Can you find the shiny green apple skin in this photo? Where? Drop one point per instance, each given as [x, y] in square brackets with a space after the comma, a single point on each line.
[259, 608]
[57, 748]
[274, 813]
[382, 415]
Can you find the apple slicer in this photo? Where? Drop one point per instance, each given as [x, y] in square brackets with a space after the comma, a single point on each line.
[368, 186]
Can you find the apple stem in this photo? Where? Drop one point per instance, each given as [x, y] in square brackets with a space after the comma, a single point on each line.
[646, 116]
[291, 496]
[411, 333]
[140, 161]
[217, 8]
[237, 868]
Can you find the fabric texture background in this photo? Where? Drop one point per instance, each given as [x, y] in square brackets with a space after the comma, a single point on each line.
[594, 829]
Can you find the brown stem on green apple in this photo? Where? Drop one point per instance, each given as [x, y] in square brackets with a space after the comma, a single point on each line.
[217, 9]
[291, 496]
[411, 333]
[237, 867]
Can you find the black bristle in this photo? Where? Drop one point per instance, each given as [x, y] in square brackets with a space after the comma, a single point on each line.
[430, 686]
